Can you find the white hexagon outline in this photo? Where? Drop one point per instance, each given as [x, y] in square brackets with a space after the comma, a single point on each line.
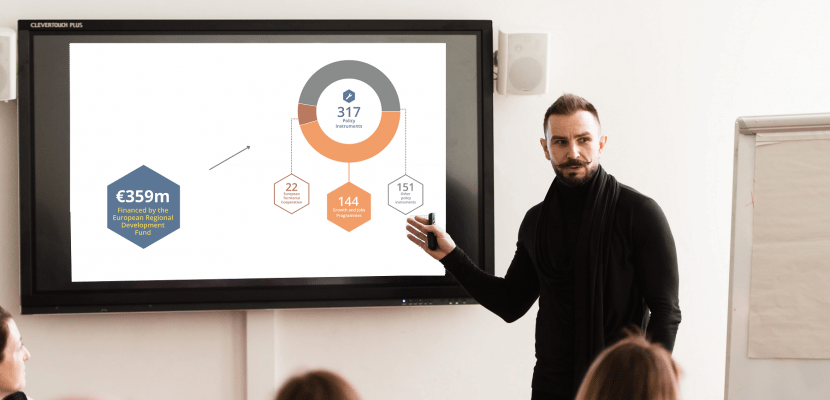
[388, 199]
[275, 193]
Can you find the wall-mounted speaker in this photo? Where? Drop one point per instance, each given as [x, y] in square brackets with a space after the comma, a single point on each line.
[8, 64]
[522, 61]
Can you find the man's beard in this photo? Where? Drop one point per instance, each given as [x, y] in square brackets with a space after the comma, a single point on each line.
[574, 181]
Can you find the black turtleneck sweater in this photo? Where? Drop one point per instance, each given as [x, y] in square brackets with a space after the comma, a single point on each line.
[646, 261]
[16, 396]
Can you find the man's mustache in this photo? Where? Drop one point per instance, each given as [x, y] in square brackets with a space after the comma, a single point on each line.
[573, 163]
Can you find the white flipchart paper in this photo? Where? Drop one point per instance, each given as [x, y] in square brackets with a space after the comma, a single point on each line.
[789, 314]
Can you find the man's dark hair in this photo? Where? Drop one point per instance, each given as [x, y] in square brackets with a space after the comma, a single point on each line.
[568, 104]
[5, 317]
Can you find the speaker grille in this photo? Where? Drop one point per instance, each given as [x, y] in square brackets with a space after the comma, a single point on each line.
[525, 74]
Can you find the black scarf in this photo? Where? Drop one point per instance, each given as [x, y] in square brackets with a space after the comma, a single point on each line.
[588, 262]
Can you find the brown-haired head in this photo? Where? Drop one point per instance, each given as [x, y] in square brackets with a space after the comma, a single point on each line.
[568, 104]
[317, 385]
[633, 368]
[4, 330]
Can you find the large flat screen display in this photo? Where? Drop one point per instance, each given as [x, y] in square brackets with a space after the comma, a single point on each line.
[249, 164]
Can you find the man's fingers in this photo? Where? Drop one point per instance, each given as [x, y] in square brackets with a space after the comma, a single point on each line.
[416, 233]
[422, 224]
[421, 227]
[436, 229]
[415, 240]
[414, 223]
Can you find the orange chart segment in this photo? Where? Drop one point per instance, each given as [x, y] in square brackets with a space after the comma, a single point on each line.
[356, 152]
[306, 113]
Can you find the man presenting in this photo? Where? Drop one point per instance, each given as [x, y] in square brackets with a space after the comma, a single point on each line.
[596, 253]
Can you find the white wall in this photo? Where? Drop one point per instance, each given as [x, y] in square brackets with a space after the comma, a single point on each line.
[669, 80]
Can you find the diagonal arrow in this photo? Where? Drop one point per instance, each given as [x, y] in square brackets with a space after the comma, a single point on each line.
[246, 148]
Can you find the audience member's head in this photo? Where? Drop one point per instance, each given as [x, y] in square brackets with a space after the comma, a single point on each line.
[317, 385]
[12, 357]
[632, 369]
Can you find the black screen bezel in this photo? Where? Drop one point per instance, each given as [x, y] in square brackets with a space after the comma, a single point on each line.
[261, 294]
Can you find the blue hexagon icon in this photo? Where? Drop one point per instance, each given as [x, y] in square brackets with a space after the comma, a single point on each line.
[143, 207]
[348, 96]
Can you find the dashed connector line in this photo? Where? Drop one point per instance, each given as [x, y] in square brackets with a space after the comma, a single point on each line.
[292, 144]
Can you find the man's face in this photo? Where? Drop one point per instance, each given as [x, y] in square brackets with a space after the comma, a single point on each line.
[12, 370]
[573, 146]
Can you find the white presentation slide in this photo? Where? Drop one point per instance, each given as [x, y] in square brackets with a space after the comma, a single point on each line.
[254, 160]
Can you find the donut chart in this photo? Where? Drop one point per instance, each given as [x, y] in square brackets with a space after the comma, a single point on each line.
[313, 132]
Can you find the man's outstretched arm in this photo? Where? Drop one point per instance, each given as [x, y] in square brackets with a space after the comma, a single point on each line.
[509, 297]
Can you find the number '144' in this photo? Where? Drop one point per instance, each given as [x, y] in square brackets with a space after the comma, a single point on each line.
[349, 201]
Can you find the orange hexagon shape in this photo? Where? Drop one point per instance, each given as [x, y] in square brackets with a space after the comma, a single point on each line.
[349, 206]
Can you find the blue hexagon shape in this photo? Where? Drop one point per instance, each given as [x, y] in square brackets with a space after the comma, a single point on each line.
[348, 96]
[143, 206]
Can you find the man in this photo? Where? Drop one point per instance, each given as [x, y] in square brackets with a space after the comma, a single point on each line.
[14, 354]
[597, 254]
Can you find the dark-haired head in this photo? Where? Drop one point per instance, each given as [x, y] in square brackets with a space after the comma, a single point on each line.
[317, 385]
[572, 141]
[568, 104]
[13, 356]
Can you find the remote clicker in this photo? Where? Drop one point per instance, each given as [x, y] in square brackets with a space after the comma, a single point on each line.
[432, 242]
